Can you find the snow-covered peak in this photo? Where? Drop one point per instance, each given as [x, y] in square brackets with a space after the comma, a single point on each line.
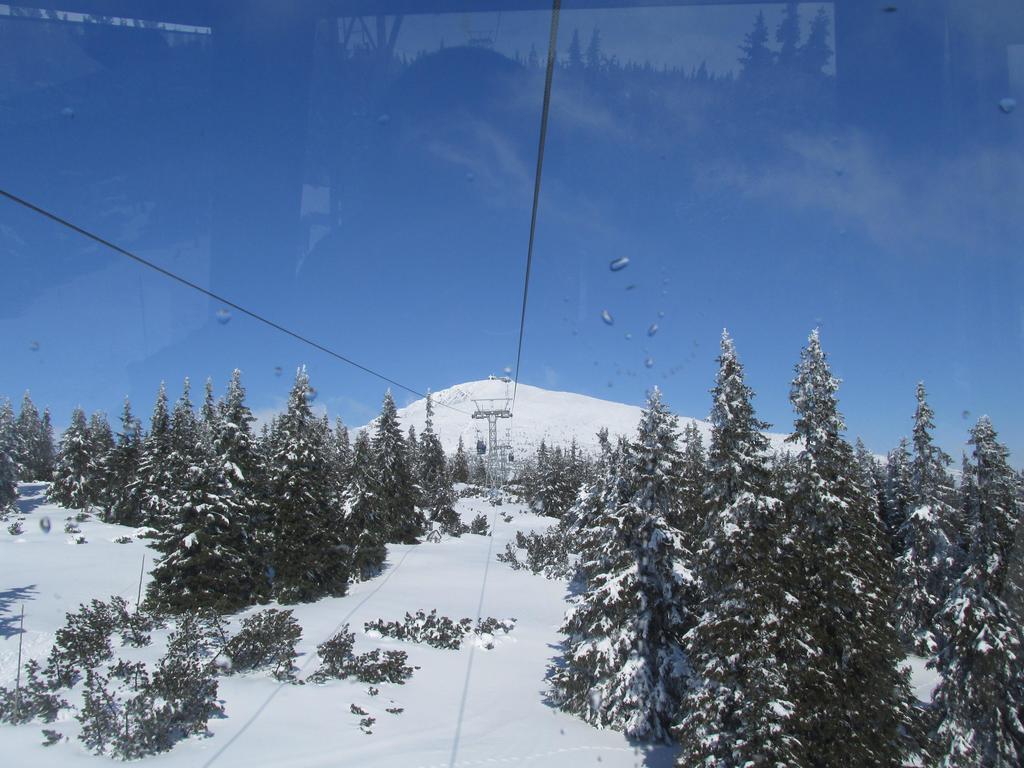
[556, 417]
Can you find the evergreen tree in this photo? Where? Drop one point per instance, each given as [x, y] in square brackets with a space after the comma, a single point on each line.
[124, 499]
[35, 442]
[623, 667]
[980, 698]
[435, 482]
[756, 60]
[8, 458]
[308, 556]
[155, 478]
[898, 491]
[575, 55]
[594, 59]
[815, 54]
[460, 464]
[927, 556]
[101, 446]
[208, 414]
[693, 481]
[851, 700]
[365, 530]
[70, 486]
[397, 493]
[787, 34]
[874, 478]
[343, 452]
[737, 711]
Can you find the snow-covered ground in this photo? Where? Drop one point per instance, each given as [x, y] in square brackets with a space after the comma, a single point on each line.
[556, 417]
[506, 720]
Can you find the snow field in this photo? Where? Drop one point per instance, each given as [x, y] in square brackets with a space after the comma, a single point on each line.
[269, 724]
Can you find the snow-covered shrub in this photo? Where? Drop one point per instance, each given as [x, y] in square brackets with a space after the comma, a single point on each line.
[81, 644]
[36, 699]
[15, 528]
[437, 631]
[479, 525]
[546, 553]
[340, 662]
[71, 527]
[266, 639]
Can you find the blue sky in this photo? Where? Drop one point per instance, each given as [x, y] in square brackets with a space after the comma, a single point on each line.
[386, 216]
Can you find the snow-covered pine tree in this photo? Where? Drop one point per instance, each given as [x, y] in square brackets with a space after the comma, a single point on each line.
[308, 557]
[45, 454]
[460, 464]
[208, 413]
[205, 561]
[851, 700]
[155, 479]
[8, 458]
[980, 698]
[70, 486]
[365, 531]
[693, 481]
[436, 492]
[124, 499]
[928, 551]
[874, 479]
[737, 709]
[34, 456]
[623, 667]
[396, 488]
[898, 491]
[238, 454]
[101, 446]
[342, 452]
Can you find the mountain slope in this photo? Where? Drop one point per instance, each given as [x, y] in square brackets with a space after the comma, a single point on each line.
[556, 417]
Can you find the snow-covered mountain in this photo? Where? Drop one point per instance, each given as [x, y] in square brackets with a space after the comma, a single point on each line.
[540, 414]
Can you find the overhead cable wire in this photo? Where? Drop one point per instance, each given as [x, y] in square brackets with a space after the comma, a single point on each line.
[548, 75]
[217, 297]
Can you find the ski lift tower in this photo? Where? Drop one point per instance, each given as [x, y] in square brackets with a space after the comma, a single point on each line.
[492, 409]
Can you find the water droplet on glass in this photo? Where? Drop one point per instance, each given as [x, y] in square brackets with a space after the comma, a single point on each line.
[889, 9]
[1007, 105]
[470, 176]
[44, 524]
[68, 112]
[649, 362]
[34, 346]
[653, 329]
[839, 171]
[311, 394]
[631, 286]
[223, 316]
[661, 313]
[965, 414]
[607, 317]
[278, 370]
[628, 336]
[620, 263]
[384, 119]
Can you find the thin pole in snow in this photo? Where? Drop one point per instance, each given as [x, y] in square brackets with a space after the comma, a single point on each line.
[142, 571]
[17, 685]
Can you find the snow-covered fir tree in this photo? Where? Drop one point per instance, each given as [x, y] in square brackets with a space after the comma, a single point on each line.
[693, 481]
[460, 464]
[155, 478]
[980, 699]
[874, 476]
[365, 530]
[622, 666]
[237, 453]
[124, 497]
[205, 561]
[35, 441]
[851, 701]
[736, 712]
[437, 495]
[928, 551]
[71, 474]
[308, 558]
[342, 452]
[397, 490]
[898, 491]
[8, 458]
[101, 445]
